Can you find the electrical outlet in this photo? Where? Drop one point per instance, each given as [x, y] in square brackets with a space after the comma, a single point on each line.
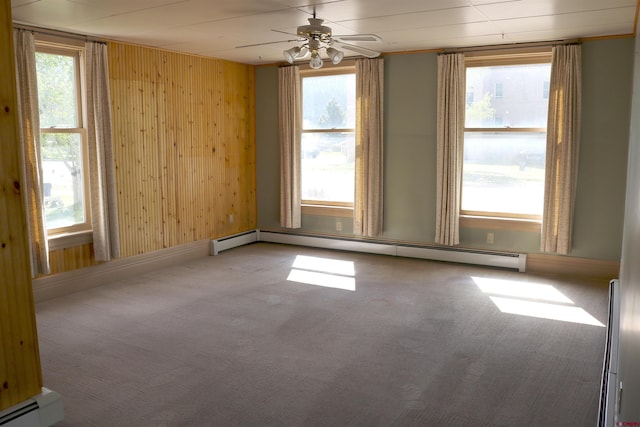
[230, 218]
[338, 225]
[490, 238]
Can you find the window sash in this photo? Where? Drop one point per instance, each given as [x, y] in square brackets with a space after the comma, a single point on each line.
[86, 224]
[77, 55]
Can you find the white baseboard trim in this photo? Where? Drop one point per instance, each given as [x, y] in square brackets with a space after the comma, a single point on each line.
[42, 410]
[57, 285]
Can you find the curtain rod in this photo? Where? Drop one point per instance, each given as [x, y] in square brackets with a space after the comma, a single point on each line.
[58, 33]
[510, 46]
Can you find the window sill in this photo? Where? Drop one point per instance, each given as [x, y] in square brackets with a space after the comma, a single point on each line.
[70, 240]
[495, 223]
[323, 210]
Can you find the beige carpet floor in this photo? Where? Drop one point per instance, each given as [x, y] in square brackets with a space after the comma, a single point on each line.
[230, 341]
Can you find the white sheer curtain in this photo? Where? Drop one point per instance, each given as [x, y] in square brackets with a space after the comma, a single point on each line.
[290, 117]
[104, 217]
[450, 138]
[29, 124]
[563, 142]
[368, 206]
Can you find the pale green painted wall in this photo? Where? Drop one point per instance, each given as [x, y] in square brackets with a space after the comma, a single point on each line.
[410, 153]
[267, 148]
[629, 285]
[606, 98]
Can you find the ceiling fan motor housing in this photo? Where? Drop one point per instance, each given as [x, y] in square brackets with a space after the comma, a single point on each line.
[315, 30]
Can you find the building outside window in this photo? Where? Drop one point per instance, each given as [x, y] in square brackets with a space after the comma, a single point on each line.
[63, 138]
[545, 89]
[505, 136]
[499, 90]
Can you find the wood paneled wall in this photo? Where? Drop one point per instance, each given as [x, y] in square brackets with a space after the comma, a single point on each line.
[67, 259]
[20, 374]
[184, 143]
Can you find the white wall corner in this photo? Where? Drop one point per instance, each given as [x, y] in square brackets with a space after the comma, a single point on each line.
[50, 406]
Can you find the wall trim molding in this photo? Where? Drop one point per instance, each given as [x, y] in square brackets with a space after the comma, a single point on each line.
[561, 264]
[57, 285]
[54, 286]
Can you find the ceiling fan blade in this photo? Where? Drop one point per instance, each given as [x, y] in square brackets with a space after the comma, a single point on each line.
[359, 38]
[358, 49]
[284, 32]
[266, 43]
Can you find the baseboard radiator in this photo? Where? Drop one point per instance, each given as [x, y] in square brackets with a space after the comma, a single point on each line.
[459, 255]
[42, 410]
[608, 387]
[233, 241]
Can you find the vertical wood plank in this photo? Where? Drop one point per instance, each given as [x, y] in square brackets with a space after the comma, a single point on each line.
[184, 129]
[184, 136]
[20, 373]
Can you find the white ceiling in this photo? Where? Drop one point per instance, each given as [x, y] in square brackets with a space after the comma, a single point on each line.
[216, 27]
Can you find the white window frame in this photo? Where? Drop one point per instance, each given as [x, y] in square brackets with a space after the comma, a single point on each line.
[78, 233]
[324, 207]
[503, 220]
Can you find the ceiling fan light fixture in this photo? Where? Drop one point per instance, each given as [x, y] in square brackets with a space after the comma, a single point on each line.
[316, 62]
[291, 54]
[335, 55]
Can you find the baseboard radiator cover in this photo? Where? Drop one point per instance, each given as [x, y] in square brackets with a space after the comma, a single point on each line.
[42, 410]
[458, 255]
[233, 241]
[328, 243]
[608, 385]
[508, 260]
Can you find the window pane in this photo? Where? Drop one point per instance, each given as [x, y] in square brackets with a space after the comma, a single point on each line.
[63, 179]
[504, 172]
[57, 97]
[329, 102]
[507, 96]
[328, 166]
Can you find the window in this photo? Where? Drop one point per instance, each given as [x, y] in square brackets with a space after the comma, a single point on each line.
[499, 90]
[63, 138]
[505, 136]
[469, 95]
[328, 137]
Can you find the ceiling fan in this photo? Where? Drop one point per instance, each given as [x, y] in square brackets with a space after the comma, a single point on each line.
[315, 37]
